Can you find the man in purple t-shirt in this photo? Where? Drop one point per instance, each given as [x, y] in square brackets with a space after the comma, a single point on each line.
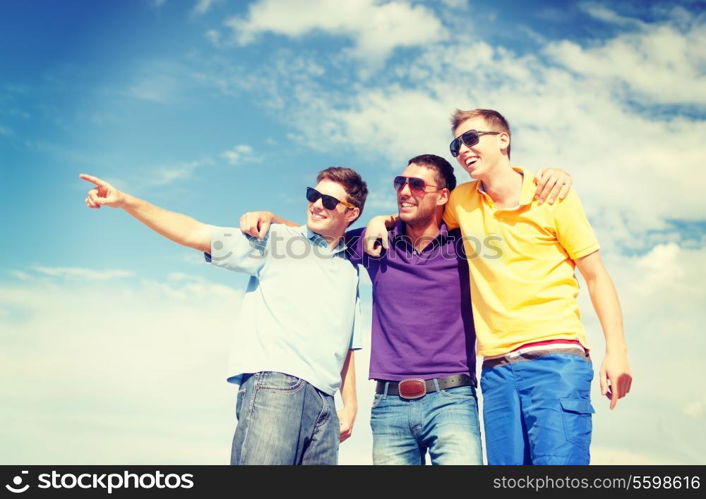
[422, 353]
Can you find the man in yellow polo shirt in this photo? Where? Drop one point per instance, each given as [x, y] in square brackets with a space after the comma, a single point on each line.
[522, 256]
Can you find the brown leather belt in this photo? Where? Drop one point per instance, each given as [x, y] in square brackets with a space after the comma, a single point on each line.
[414, 388]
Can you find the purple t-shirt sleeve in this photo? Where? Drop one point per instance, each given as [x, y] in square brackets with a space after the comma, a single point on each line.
[354, 245]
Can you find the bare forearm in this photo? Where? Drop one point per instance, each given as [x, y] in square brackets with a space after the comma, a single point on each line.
[276, 219]
[177, 227]
[615, 377]
[607, 306]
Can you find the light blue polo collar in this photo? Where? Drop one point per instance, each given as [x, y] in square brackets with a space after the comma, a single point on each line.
[319, 240]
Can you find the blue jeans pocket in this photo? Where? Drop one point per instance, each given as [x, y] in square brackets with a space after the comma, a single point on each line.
[271, 380]
[576, 414]
[460, 392]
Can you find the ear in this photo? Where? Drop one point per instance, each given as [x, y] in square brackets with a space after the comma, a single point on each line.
[504, 141]
[352, 214]
[443, 197]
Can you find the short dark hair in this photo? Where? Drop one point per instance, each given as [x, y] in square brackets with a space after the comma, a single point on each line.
[495, 120]
[444, 171]
[356, 189]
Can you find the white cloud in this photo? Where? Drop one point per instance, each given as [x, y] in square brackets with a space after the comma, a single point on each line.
[18, 274]
[80, 273]
[164, 175]
[456, 4]
[158, 3]
[407, 121]
[202, 6]
[213, 36]
[605, 14]
[239, 154]
[157, 176]
[661, 63]
[151, 176]
[376, 27]
[661, 265]
[695, 409]
[381, 200]
[162, 81]
[155, 88]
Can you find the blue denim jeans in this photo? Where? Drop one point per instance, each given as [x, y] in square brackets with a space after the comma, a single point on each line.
[538, 411]
[284, 420]
[443, 423]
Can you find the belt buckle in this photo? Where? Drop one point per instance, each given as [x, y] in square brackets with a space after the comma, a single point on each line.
[412, 388]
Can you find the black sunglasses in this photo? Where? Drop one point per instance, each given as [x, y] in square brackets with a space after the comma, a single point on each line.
[329, 202]
[470, 138]
[416, 184]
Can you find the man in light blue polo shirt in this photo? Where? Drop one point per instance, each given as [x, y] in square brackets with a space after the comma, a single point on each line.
[296, 332]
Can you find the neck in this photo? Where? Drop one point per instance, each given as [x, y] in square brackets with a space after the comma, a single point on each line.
[332, 241]
[503, 185]
[424, 232]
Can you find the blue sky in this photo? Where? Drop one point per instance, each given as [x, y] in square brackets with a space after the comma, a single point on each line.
[213, 108]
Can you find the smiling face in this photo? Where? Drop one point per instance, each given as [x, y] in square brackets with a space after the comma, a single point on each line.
[417, 208]
[479, 160]
[331, 224]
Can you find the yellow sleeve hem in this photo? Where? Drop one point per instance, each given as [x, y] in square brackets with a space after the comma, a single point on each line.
[585, 252]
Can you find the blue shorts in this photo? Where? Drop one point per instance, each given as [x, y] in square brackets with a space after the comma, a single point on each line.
[537, 408]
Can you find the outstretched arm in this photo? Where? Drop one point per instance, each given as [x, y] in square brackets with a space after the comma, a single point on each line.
[181, 229]
[615, 375]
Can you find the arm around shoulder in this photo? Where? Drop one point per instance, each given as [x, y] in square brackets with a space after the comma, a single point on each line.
[376, 237]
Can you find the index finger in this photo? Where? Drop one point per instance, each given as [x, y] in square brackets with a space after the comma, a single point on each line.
[614, 394]
[554, 193]
[92, 179]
